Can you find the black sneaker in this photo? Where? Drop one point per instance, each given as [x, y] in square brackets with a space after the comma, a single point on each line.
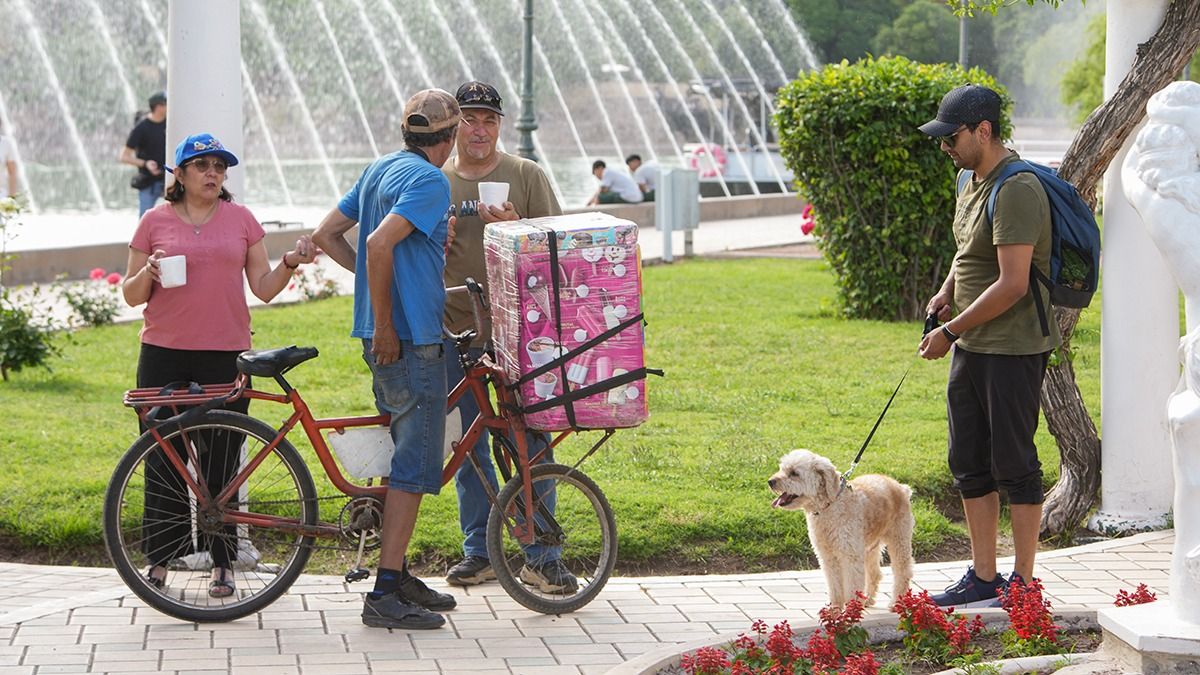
[415, 591]
[553, 577]
[390, 611]
[970, 591]
[474, 569]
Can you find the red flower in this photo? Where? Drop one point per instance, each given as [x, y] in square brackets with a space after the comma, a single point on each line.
[706, 661]
[962, 632]
[806, 220]
[113, 279]
[1140, 596]
[1028, 612]
[97, 273]
[861, 664]
[822, 652]
[838, 622]
[780, 645]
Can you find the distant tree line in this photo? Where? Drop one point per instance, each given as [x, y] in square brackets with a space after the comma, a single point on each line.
[1027, 50]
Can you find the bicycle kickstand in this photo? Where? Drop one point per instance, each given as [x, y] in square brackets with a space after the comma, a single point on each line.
[359, 573]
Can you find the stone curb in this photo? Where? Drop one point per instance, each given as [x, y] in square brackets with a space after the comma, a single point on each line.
[1029, 663]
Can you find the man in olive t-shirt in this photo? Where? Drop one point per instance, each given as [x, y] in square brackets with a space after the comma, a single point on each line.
[1000, 353]
[529, 196]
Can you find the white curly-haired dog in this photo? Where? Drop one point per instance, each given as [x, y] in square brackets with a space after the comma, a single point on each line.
[848, 527]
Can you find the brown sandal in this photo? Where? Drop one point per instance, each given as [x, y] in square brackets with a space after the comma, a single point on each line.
[222, 586]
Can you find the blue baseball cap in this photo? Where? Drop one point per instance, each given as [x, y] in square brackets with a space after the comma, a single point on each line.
[198, 145]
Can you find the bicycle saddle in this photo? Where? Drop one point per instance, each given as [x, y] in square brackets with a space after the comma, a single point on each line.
[272, 362]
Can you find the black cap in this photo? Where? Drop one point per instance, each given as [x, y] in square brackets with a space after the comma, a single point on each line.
[478, 95]
[158, 98]
[968, 104]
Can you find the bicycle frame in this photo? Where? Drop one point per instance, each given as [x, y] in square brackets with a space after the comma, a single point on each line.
[502, 419]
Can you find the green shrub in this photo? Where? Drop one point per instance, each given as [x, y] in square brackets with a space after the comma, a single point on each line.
[882, 192]
[26, 332]
[26, 338]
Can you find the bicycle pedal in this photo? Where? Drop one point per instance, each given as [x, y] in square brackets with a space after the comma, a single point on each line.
[357, 574]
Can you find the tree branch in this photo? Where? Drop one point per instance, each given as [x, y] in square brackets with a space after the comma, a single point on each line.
[1159, 60]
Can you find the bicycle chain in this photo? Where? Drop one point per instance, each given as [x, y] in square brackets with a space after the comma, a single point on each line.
[315, 547]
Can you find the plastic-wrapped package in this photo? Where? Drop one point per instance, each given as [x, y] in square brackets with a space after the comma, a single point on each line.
[565, 295]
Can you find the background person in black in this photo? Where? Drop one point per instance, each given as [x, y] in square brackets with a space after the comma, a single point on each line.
[146, 149]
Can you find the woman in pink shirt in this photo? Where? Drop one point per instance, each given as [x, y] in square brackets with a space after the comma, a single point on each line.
[194, 332]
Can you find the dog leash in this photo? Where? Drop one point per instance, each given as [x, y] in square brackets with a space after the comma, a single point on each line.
[930, 324]
[846, 475]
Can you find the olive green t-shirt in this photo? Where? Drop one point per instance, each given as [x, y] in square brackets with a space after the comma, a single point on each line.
[1022, 216]
[530, 192]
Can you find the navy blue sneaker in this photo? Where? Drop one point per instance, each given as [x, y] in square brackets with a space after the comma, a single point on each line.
[970, 591]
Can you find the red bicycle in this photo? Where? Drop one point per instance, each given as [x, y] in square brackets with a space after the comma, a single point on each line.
[204, 478]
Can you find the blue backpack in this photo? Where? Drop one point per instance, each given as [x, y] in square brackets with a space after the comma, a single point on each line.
[1074, 239]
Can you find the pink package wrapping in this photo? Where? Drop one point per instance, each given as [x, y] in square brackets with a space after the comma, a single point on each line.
[596, 269]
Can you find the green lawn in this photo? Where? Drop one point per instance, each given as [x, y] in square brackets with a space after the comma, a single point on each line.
[758, 362]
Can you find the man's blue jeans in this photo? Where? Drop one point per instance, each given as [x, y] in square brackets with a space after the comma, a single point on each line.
[412, 390]
[149, 196]
[473, 505]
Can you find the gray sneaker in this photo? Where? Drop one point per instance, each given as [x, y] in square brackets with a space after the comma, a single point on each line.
[389, 611]
[472, 570]
[552, 577]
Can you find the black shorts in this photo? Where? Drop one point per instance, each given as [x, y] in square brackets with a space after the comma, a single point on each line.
[992, 402]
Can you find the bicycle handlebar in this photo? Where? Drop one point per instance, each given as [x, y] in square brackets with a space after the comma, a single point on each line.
[478, 299]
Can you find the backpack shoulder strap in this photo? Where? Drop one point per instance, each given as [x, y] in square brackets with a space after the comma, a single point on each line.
[1012, 169]
[964, 176]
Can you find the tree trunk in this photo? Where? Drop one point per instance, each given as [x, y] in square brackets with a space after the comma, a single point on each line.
[1158, 61]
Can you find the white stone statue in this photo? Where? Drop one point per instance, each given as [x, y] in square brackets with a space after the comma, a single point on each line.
[1161, 178]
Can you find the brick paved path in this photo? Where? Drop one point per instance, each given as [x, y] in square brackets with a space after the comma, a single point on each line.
[82, 620]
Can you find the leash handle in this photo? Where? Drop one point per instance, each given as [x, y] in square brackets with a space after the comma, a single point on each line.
[877, 423]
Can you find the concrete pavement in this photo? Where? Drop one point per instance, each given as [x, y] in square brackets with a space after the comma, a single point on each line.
[83, 620]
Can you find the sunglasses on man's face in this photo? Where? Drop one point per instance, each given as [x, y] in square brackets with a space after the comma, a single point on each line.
[953, 138]
[203, 165]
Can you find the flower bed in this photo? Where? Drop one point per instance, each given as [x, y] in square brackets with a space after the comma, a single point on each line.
[924, 639]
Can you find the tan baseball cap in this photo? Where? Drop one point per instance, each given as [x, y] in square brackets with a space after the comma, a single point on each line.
[429, 111]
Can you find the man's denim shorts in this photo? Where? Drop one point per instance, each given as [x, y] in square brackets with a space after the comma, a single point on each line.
[413, 391]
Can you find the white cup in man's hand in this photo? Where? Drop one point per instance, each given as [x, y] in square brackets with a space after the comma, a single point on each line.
[493, 194]
[172, 271]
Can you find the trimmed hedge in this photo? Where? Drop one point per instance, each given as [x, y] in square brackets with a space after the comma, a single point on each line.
[882, 192]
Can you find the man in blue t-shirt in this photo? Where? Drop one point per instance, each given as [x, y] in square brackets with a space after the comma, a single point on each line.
[401, 204]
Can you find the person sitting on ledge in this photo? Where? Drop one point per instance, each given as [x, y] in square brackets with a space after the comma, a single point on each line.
[615, 187]
[645, 174]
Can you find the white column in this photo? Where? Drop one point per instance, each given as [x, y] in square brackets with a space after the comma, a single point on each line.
[1139, 332]
[204, 78]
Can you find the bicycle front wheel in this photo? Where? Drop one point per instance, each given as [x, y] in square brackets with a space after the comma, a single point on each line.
[152, 517]
[573, 531]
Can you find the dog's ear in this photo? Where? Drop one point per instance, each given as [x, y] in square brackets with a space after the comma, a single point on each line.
[829, 482]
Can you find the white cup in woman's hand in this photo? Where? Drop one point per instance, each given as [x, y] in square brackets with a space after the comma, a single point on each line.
[172, 271]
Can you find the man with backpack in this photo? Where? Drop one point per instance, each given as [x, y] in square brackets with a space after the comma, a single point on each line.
[990, 309]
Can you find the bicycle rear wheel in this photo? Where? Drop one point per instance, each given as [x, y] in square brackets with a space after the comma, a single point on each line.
[573, 523]
[151, 517]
